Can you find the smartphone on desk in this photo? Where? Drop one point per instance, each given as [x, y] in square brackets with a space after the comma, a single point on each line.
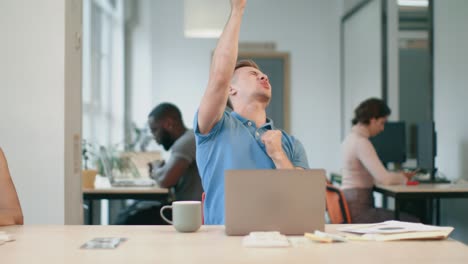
[413, 173]
[413, 170]
[103, 243]
[422, 176]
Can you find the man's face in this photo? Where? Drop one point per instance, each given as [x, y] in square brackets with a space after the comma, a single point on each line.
[251, 83]
[377, 125]
[160, 133]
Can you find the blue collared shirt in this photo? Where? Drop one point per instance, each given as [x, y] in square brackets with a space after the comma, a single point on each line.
[235, 143]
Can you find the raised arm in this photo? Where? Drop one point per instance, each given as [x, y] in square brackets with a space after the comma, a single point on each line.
[224, 60]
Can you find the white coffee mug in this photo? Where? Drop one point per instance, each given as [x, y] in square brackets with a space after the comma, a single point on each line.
[186, 215]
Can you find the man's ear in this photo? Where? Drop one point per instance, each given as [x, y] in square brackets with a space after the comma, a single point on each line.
[232, 90]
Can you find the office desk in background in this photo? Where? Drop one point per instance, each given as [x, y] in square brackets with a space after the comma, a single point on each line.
[162, 244]
[154, 193]
[431, 192]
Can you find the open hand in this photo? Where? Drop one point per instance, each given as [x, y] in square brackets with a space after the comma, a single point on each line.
[409, 174]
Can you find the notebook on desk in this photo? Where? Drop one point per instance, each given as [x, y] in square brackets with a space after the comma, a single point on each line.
[398, 230]
[289, 201]
[121, 182]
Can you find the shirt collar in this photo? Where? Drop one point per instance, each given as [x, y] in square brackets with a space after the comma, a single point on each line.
[268, 125]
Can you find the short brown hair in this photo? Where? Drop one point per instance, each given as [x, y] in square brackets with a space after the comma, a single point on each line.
[246, 63]
[370, 108]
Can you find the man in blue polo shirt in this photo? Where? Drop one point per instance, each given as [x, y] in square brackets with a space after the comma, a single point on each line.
[244, 138]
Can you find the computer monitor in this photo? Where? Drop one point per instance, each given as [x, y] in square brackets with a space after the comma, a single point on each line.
[426, 147]
[390, 144]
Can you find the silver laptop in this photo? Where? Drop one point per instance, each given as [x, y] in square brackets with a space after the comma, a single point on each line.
[127, 182]
[289, 201]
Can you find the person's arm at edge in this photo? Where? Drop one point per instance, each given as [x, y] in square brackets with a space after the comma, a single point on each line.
[10, 208]
[10, 217]
[224, 60]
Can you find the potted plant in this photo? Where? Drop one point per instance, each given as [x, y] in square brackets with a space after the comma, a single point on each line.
[88, 175]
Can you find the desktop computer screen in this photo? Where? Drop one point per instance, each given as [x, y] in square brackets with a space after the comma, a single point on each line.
[426, 146]
[390, 144]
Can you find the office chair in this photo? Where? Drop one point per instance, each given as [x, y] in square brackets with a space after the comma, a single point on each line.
[10, 208]
[337, 207]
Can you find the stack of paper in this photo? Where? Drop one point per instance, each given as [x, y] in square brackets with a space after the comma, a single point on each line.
[323, 237]
[397, 230]
[4, 237]
[265, 239]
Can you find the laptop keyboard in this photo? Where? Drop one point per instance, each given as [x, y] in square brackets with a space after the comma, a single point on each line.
[134, 183]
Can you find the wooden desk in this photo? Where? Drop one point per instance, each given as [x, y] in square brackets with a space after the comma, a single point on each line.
[155, 193]
[162, 244]
[430, 192]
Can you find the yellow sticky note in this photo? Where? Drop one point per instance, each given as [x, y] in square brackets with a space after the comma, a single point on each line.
[318, 238]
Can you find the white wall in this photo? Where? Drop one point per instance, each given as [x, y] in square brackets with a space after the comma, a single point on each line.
[308, 30]
[348, 5]
[393, 93]
[139, 59]
[33, 131]
[362, 56]
[450, 93]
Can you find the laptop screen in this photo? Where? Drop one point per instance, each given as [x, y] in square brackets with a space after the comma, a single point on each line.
[106, 163]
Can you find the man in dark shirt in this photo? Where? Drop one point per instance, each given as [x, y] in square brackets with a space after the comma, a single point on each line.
[179, 173]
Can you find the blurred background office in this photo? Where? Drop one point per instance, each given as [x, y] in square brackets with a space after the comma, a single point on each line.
[92, 69]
